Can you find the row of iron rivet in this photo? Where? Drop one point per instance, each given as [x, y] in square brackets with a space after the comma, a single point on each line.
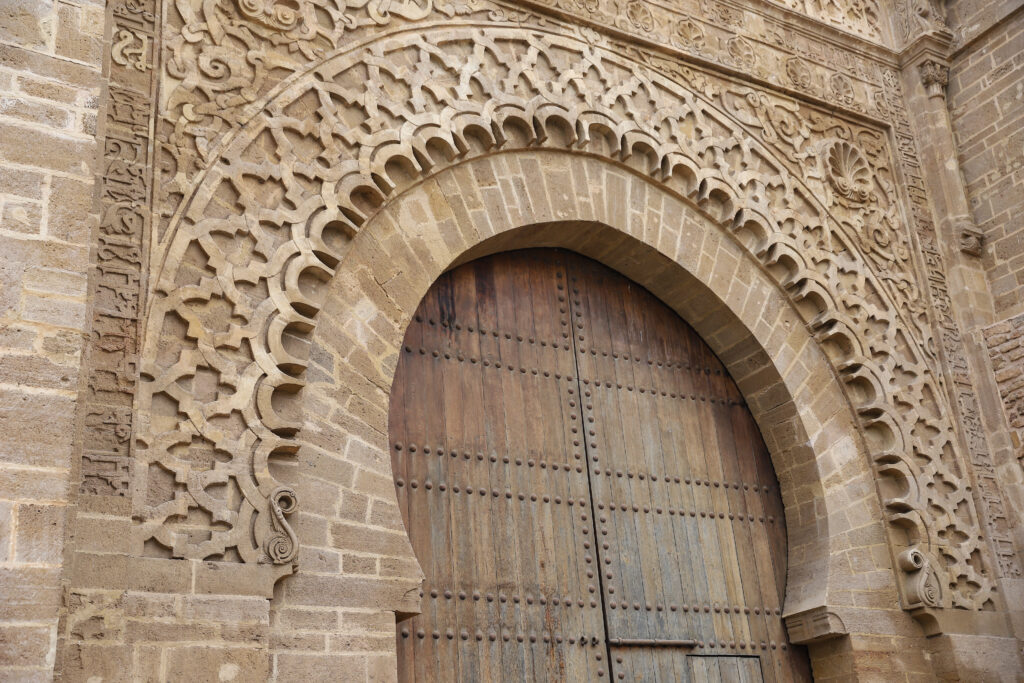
[467, 455]
[495, 493]
[476, 596]
[682, 513]
[655, 392]
[483, 491]
[529, 599]
[497, 335]
[506, 636]
[543, 464]
[717, 609]
[608, 384]
[680, 365]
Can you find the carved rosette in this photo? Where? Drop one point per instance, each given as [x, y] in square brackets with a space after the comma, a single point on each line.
[741, 52]
[640, 16]
[688, 34]
[799, 73]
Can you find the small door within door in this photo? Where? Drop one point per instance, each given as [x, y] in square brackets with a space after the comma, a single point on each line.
[583, 485]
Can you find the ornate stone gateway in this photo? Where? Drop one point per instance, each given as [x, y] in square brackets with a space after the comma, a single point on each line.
[279, 183]
[583, 485]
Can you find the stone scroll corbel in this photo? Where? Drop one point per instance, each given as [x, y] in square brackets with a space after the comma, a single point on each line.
[921, 583]
[921, 588]
[281, 546]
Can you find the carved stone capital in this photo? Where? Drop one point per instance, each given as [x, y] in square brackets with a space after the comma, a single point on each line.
[934, 76]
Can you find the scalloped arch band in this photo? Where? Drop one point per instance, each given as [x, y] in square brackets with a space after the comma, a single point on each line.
[810, 195]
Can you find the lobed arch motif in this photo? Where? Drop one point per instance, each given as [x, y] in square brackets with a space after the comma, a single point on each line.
[236, 286]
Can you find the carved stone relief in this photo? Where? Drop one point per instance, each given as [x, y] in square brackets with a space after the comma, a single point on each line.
[916, 17]
[988, 495]
[859, 17]
[124, 188]
[934, 76]
[263, 177]
[812, 196]
[222, 59]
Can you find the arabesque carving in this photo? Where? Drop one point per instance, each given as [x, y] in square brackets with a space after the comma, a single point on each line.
[281, 200]
[222, 58]
[860, 17]
[951, 346]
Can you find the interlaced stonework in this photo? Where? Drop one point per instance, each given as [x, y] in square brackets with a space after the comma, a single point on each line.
[811, 196]
[264, 168]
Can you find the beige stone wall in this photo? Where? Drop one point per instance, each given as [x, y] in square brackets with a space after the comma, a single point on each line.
[1006, 346]
[780, 202]
[986, 100]
[50, 56]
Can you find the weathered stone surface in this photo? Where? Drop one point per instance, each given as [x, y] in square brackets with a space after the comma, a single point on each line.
[202, 297]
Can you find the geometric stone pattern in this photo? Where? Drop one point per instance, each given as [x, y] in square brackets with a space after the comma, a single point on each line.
[809, 194]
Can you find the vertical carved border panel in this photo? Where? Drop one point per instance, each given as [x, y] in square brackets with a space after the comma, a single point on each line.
[116, 288]
[988, 497]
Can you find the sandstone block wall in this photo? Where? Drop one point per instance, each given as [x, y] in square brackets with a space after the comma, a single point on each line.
[50, 58]
[153, 618]
[986, 99]
[1006, 345]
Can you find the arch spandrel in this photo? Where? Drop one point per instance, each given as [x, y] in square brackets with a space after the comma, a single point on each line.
[294, 188]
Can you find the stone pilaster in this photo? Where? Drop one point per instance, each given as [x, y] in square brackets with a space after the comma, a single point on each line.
[969, 309]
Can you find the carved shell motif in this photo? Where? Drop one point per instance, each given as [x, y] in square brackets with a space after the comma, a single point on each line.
[688, 34]
[640, 16]
[848, 172]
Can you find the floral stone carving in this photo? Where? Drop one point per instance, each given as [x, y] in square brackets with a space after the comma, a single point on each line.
[286, 192]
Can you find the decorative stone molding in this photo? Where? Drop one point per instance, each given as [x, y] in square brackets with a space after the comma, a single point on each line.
[282, 197]
[211, 87]
[922, 586]
[971, 238]
[934, 76]
[858, 17]
[988, 496]
[814, 625]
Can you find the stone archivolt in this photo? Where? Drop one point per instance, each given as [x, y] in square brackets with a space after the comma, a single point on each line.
[222, 59]
[236, 293]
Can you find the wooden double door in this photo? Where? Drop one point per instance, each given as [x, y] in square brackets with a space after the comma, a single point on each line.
[583, 485]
